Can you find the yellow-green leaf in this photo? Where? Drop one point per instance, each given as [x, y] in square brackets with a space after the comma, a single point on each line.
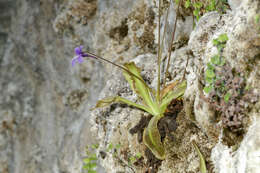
[223, 38]
[140, 87]
[168, 88]
[177, 92]
[152, 138]
[203, 168]
[109, 100]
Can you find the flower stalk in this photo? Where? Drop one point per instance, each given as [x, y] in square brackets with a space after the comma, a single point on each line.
[170, 47]
[79, 58]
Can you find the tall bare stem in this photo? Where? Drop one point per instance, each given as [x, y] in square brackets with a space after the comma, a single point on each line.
[119, 66]
[170, 47]
[159, 55]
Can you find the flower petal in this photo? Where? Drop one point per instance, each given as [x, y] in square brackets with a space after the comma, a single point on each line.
[80, 59]
[74, 60]
[77, 51]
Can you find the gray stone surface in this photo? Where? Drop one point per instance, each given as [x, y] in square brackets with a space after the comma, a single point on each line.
[44, 102]
[112, 123]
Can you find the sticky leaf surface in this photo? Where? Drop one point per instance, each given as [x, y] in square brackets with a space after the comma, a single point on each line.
[152, 138]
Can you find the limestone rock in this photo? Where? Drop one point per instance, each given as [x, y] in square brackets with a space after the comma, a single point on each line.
[44, 105]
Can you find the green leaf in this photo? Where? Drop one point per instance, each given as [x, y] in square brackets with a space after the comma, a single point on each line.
[187, 4]
[210, 73]
[93, 165]
[203, 168]
[220, 47]
[109, 100]
[168, 88]
[215, 59]
[92, 171]
[257, 18]
[207, 89]
[223, 38]
[227, 96]
[86, 167]
[152, 138]
[222, 61]
[177, 92]
[87, 160]
[215, 42]
[110, 147]
[211, 6]
[94, 146]
[210, 66]
[138, 155]
[140, 88]
[132, 159]
[196, 13]
[90, 166]
[197, 5]
[209, 80]
[117, 146]
[93, 157]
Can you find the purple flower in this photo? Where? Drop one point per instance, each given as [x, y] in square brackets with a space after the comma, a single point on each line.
[79, 55]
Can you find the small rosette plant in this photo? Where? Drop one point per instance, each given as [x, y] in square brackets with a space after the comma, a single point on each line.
[150, 104]
[153, 102]
[156, 106]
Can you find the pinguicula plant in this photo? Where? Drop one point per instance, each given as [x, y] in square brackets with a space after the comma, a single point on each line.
[153, 102]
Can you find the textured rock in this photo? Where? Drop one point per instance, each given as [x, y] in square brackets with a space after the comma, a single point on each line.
[44, 103]
[241, 50]
[245, 159]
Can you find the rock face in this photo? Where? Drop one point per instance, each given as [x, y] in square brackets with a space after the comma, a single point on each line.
[226, 136]
[44, 103]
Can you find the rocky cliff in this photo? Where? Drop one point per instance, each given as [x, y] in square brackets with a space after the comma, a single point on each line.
[44, 104]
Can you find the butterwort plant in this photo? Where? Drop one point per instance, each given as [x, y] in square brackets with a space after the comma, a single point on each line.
[153, 102]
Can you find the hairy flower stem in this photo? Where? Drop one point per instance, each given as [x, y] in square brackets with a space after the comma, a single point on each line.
[119, 66]
[170, 47]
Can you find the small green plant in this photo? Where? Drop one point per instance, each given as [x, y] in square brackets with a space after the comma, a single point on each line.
[90, 161]
[151, 136]
[109, 147]
[215, 61]
[134, 158]
[227, 90]
[199, 7]
[153, 102]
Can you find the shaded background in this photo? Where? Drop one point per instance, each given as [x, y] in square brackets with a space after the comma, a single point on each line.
[44, 102]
